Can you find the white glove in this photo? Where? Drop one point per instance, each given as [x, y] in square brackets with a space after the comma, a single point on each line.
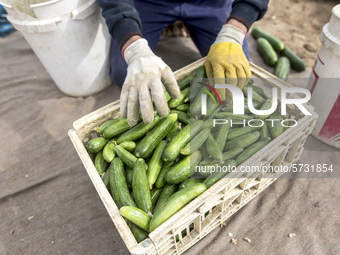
[145, 72]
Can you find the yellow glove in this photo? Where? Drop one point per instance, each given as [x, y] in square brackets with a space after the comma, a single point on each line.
[226, 61]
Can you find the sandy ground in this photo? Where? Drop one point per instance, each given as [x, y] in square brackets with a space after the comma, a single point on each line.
[298, 23]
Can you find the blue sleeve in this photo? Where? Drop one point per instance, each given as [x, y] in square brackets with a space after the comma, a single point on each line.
[122, 19]
[249, 11]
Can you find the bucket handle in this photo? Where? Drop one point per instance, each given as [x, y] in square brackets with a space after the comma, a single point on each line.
[38, 26]
[85, 10]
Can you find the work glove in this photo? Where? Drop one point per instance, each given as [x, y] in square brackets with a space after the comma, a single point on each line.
[146, 72]
[226, 61]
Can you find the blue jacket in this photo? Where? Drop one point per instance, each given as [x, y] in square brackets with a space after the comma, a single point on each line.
[123, 20]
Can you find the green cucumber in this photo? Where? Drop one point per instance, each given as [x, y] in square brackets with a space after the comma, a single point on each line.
[264, 130]
[266, 51]
[167, 96]
[182, 116]
[167, 191]
[116, 129]
[138, 131]
[176, 127]
[140, 186]
[255, 96]
[243, 141]
[196, 142]
[212, 148]
[160, 182]
[215, 177]
[109, 152]
[106, 178]
[100, 164]
[176, 202]
[173, 149]
[150, 142]
[252, 149]
[222, 134]
[183, 107]
[106, 124]
[275, 127]
[176, 102]
[185, 82]
[156, 163]
[282, 68]
[275, 42]
[179, 172]
[236, 132]
[118, 185]
[136, 216]
[128, 145]
[96, 144]
[232, 153]
[189, 182]
[129, 174]
[295, 61]
[266, 106]
[138, 233]
[155, 193]
[128, 158]
[257, 89]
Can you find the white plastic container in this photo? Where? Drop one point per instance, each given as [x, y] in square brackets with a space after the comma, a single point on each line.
[72, 42]
[325, 83]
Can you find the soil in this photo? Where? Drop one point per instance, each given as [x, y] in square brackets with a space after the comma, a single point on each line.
[298, 24]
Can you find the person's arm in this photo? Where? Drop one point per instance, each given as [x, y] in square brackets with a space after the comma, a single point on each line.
[122, 19]
[226, 61]
[146, 72]
[248, 11]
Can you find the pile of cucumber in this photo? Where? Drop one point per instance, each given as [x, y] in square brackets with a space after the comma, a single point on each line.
[268, 46]
[147, 167]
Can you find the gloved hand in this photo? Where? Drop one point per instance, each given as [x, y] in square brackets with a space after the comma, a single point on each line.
[226, 59]
[145, 72]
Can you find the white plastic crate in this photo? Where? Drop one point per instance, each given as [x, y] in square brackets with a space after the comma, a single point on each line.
[220, 201]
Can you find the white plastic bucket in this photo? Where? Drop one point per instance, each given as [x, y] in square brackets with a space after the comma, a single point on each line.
[72, 42]
[325, 83]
